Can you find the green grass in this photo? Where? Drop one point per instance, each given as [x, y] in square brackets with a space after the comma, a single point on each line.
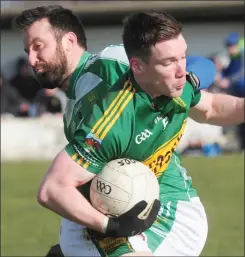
[220, 184]
[29, 230]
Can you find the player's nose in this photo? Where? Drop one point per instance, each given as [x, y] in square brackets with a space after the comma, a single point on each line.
[32, 58]
[181, 71]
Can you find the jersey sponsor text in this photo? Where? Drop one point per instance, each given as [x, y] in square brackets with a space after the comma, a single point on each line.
[159, 160]
[143, 136]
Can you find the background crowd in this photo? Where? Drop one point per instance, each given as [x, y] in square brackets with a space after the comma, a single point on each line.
[21, 95]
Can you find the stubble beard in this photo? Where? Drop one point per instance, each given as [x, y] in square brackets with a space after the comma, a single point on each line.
[55, 71]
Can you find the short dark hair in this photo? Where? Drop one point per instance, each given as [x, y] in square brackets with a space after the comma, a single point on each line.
[62, 21]
[144, 29]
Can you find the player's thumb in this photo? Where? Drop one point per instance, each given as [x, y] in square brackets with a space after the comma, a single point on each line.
[151, 214]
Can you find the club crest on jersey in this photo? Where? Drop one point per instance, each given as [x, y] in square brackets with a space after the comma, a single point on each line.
[91, 98]
[93, 142]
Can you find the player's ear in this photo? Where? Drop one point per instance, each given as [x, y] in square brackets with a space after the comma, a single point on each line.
[69, 39]
[136, 65]
[141, 68]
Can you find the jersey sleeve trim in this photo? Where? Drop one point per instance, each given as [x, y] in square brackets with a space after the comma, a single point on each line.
[83, 159]
[113, 112]
[196, 100]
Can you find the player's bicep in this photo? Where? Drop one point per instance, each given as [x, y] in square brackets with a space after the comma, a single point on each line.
[200, 112]
[65, 172]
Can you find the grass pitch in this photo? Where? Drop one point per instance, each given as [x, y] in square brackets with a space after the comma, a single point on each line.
[27, 229]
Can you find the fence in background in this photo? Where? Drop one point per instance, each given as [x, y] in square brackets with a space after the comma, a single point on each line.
[31, 139]
[42, 138]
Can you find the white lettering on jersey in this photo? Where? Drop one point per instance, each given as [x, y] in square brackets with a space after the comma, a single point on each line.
[165, 122]
[84, 85]
[157, 119]
[143, 136]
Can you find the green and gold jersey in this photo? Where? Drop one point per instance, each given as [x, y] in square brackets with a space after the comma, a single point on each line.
[108, 117]
[94, 75]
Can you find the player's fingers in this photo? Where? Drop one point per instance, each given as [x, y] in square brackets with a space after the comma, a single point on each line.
[152, 214]
[137, 209]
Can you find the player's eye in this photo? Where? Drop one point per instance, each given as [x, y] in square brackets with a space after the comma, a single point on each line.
[167, 63]
[37, 47]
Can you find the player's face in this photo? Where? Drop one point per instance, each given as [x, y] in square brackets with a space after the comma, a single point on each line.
[166, 69]
[46, 55]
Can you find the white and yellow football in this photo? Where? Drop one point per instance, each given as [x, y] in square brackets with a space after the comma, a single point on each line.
[121, 184]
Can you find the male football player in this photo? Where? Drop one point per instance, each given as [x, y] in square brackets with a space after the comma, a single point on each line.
[106, 101]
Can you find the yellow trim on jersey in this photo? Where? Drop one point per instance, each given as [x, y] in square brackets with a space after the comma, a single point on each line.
[108, 116]
[74, 156]
[119, 112]
[160, 147]
[114, 111]
[109, 108]
[130, 246]
[159, 160]
[80, 161]
[85, 166]
[179, 101]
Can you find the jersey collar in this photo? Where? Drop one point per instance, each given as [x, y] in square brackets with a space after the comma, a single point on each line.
[77, 71]
[162, 103]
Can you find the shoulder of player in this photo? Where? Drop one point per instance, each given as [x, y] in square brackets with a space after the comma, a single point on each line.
[109, 55]
[106, 72]
[190, 88]
[118, 99]
[110, 122]
[190, 92]
[115, 110]
[191, 80]
[108, 65]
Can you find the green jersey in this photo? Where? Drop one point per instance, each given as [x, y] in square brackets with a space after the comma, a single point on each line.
[93, 74]
[109, 117]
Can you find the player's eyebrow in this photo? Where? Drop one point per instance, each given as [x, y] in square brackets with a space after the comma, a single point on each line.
[33, 41]
[171, 57]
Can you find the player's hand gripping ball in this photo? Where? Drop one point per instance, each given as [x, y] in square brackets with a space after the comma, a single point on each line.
[123, 189]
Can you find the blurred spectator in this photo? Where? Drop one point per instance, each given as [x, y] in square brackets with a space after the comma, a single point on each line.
[50, 101]
[220, 85]
[11, 101]
[24, 81]
[234, 73]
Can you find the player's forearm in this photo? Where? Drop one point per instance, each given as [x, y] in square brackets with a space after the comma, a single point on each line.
[226, 110]
[70, 204]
